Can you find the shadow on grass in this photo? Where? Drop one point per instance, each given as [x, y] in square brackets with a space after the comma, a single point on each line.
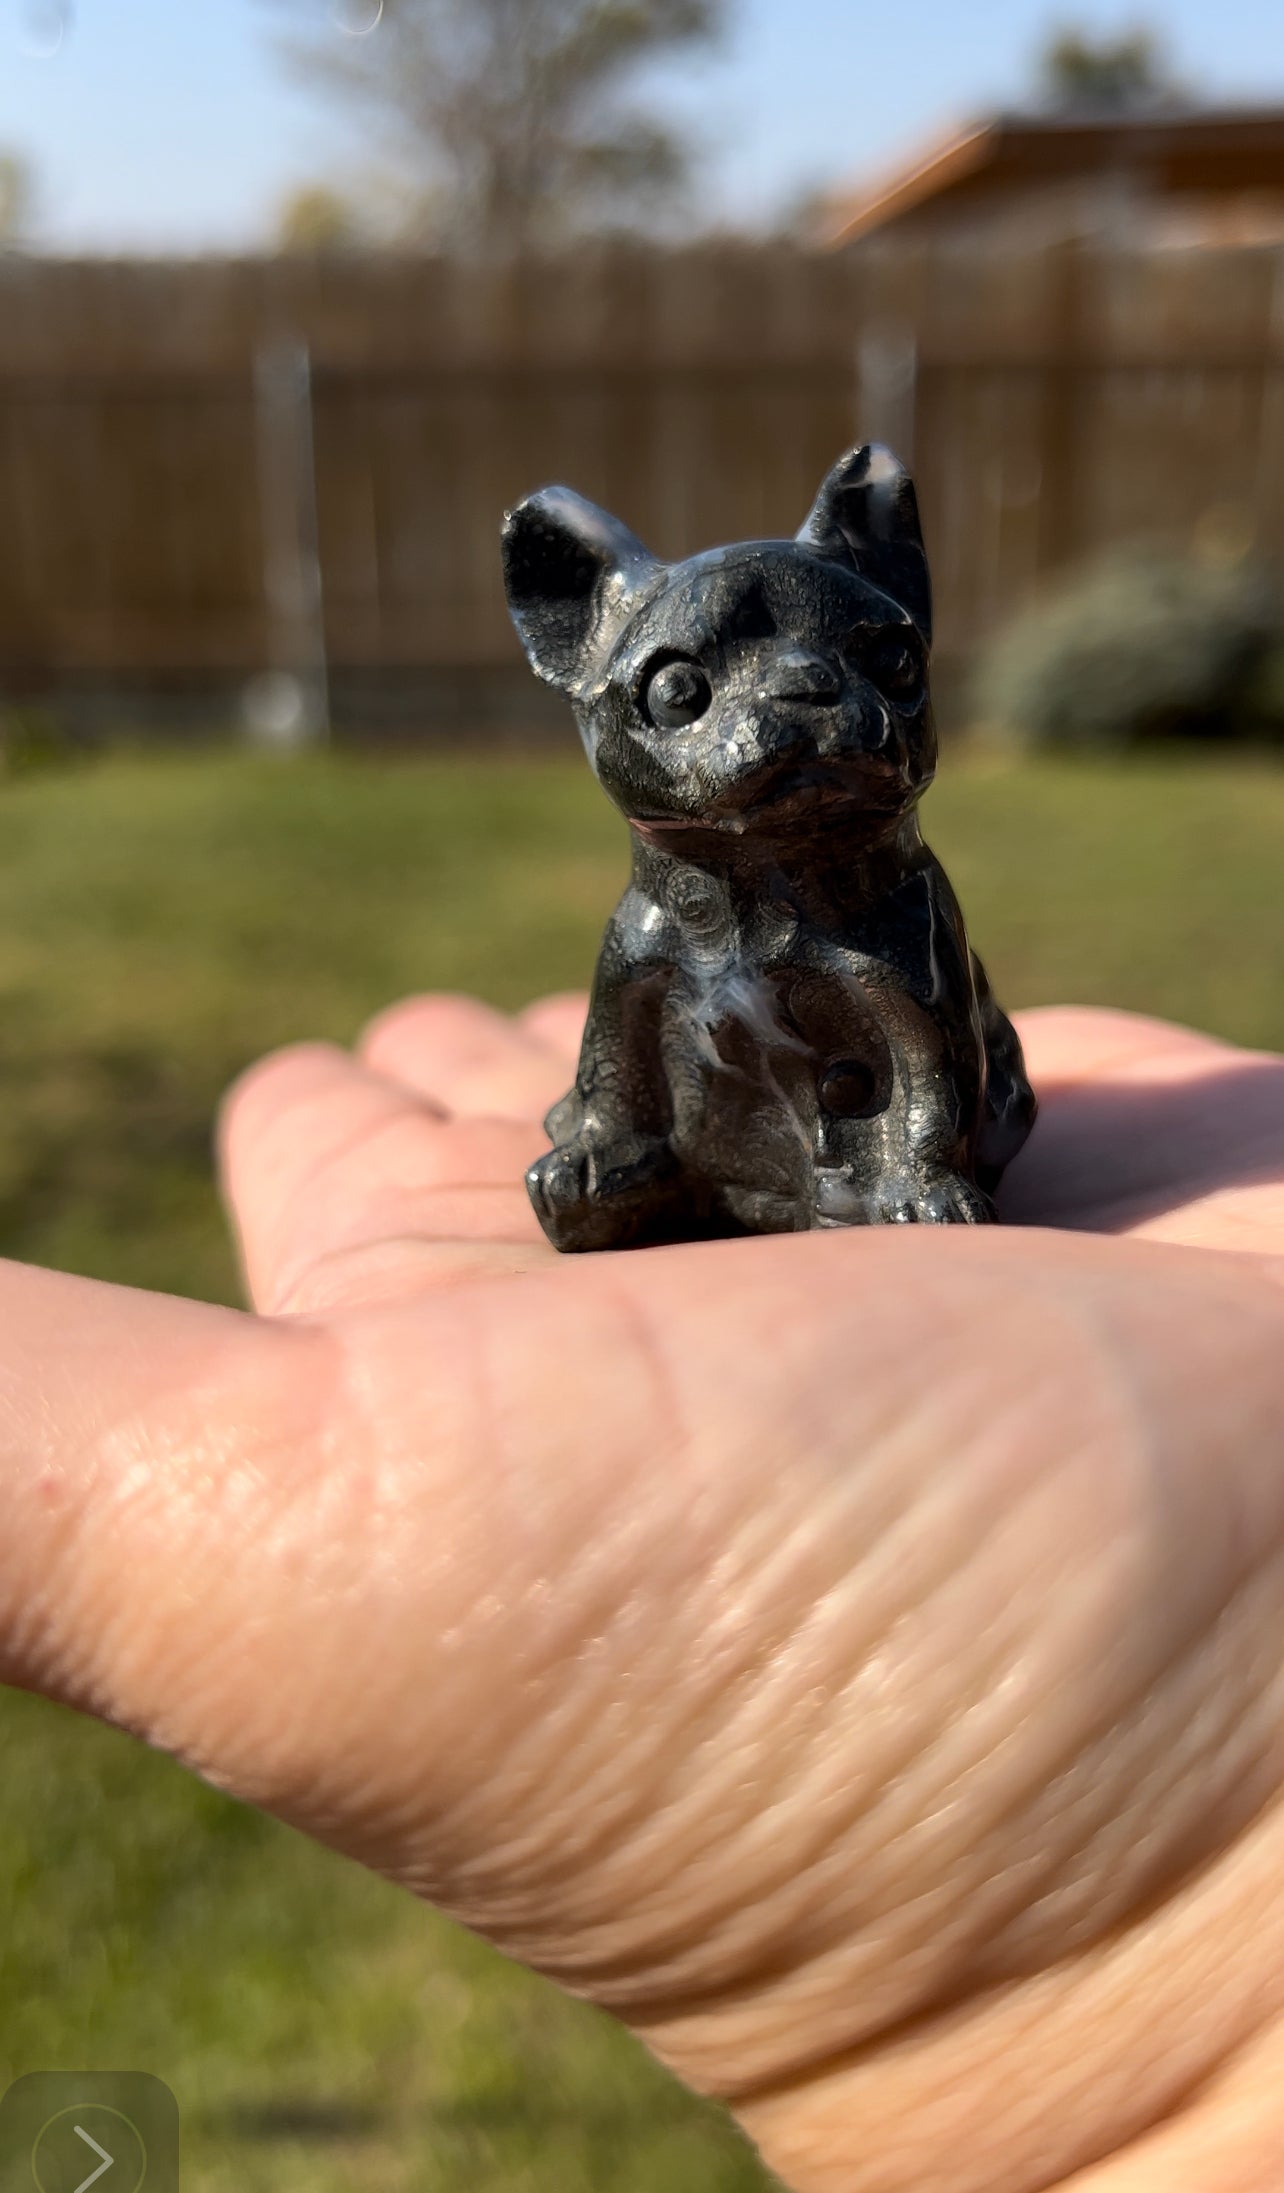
[300, 2117]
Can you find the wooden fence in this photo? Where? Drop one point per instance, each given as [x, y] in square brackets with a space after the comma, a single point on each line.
[215, 469]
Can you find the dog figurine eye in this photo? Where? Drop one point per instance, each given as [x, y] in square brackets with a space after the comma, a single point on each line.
[893, 660]
[677, 694]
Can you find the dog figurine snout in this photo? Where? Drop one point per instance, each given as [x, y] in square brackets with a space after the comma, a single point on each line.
[796, 674]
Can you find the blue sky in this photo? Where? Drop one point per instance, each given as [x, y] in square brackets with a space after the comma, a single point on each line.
[168, 125]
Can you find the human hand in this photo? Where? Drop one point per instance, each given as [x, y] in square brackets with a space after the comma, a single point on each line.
[851, 1657]
[1151, 1130]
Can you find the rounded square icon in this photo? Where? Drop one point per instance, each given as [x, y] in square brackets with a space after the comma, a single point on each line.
[64, 2131]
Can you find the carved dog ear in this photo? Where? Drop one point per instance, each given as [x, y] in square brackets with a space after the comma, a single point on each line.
[866, 515]
[570, 571]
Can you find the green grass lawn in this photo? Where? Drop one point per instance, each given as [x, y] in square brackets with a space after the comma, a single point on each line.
[163, 922]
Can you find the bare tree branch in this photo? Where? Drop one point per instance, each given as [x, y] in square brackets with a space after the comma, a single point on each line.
[1125, 74]
[516, 123]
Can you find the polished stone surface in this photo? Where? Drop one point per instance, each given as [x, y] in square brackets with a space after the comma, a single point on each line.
[788, 1028]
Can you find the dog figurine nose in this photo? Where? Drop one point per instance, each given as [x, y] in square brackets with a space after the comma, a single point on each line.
[797, 675]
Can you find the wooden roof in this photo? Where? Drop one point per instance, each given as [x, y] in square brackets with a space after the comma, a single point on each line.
[1209, 152]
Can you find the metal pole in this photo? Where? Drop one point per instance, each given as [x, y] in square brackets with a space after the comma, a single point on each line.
[291, 705]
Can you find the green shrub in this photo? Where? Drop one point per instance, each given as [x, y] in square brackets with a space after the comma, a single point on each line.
[1143, 645]
[34, 741]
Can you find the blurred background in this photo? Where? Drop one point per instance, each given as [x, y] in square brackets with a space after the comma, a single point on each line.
[295, 296]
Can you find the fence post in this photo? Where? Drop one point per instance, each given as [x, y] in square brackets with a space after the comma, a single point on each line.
[1061, 454]
[290, 705]
[1269, 512]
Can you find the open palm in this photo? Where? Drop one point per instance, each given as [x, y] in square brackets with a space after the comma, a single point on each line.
[853, 1658]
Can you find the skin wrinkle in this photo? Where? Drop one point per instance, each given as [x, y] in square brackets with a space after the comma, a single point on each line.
[458, 1818]
[377, 1272]
[545, 1959]
[1134, 1705]
[430, 1212]
[753, 1619]
[1223, 2135]
[1149, 1924]
[628, 1769]
[542, 1750]
[404, 1196]
[573, 1834]
[768, 1550]
[1055, 2036]
[360, 1140]
[758, 1831]
[1185, 1757]
[598, 1549]
[674, 1438]
[931, 1936]
[423, 1214]
[1124, 1366]
[1081, 1907]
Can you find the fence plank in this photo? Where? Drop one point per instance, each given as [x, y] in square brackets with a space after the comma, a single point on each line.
[1057, 400]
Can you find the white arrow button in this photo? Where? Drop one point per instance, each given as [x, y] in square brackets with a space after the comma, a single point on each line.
[105, 2164]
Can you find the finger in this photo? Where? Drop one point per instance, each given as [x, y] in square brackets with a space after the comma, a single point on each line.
[1153, 1129]
[130, 1424]
[343, 1186]
[465, 1058]
[1072, 1043]
[558, 1022]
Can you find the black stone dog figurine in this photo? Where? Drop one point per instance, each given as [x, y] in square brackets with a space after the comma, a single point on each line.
[788, 1028]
